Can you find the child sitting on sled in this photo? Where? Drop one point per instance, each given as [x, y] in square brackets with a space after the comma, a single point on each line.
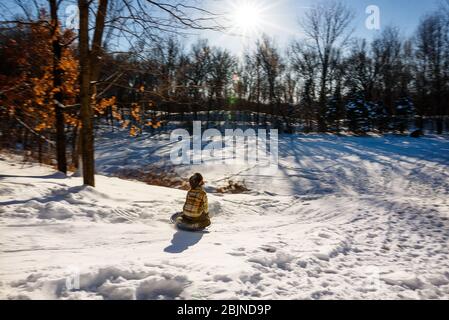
[196, 210]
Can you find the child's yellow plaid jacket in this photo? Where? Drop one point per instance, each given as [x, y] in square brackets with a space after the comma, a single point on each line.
[196, 203]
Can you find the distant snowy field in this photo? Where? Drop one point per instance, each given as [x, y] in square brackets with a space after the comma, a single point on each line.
[342, 218]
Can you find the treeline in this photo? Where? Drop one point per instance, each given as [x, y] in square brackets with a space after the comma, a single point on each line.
[326, 82]
[55, 85]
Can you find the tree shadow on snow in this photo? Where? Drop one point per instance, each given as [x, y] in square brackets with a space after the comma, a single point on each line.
[55, 195]
[182, 240]
[56, 175]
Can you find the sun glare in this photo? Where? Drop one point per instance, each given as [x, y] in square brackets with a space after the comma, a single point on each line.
[246, 17]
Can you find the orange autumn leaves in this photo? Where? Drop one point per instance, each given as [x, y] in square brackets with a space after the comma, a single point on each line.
[43, 92]
[137, 119]
[30, 91]
[42, 101]
[27, 89]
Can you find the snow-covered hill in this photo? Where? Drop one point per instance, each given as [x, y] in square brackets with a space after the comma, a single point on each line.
[343, 217]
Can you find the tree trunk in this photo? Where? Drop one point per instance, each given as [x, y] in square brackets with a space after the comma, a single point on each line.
[57, 84]
[87, 139]
[39, 148]
[75, 147]
[90, 70]
[97, 43]
[322, 102]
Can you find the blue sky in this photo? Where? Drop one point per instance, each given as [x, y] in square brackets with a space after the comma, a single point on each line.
[280, 18]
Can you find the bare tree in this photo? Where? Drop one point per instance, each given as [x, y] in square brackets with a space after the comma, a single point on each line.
[138, 19]
[251, 77]
[222, 65]
[305, 62]
[387, 55]
[432, 74]
[272, 66]
[327, 26]
[198, 73]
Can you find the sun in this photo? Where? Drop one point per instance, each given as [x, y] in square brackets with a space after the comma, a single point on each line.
[246, 17]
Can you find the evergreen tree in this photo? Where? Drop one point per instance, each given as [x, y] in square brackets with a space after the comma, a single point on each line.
[380, 117]
[334, 112]
[358, 115]
[404, 112]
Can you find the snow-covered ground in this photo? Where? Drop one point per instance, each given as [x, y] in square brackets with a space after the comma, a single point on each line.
[342, 217]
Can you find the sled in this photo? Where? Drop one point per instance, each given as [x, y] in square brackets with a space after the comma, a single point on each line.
[192, 227]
